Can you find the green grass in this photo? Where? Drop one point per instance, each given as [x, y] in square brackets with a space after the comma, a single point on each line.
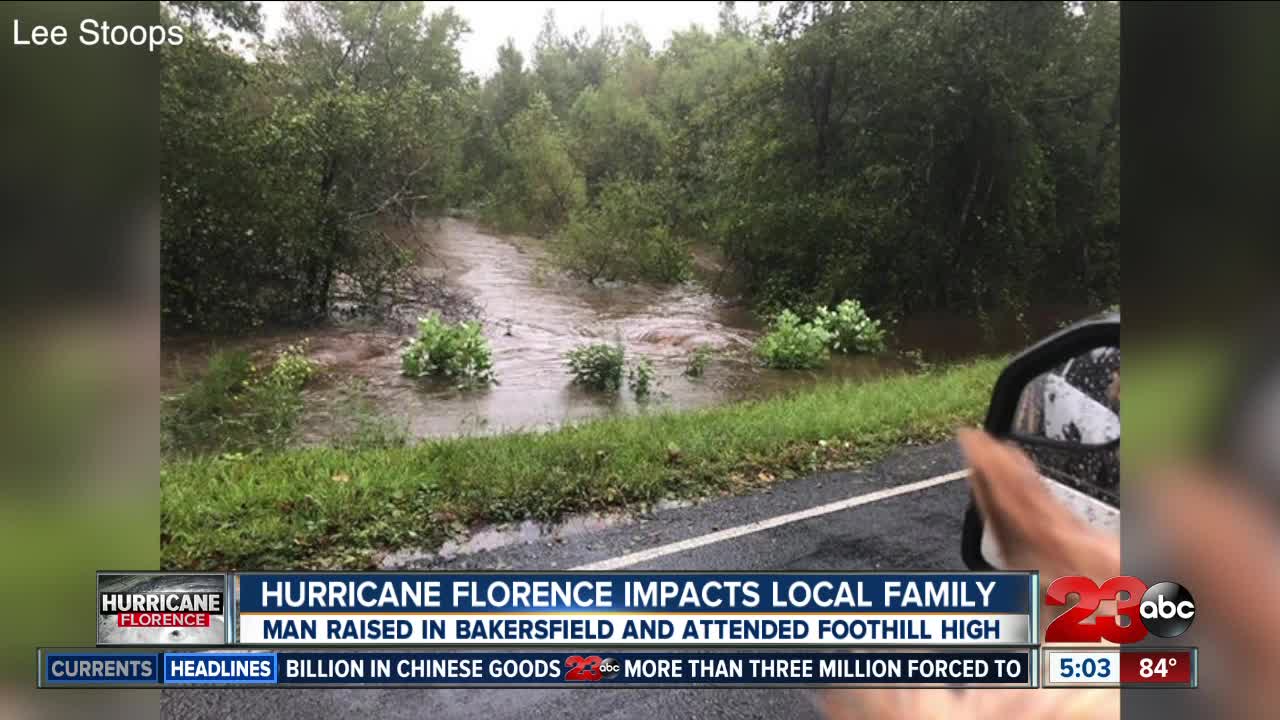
[326, 508]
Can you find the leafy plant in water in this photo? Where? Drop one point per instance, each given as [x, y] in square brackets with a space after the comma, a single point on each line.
[698, 361]
[850, 328]
[292, 368]
[597, 366]
[458, 351]
[641, 378]
[238, 407]
[792, 344]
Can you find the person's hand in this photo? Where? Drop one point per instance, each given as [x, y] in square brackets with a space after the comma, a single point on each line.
[1035, 532]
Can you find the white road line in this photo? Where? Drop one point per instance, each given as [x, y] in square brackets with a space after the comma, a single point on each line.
[654, 553]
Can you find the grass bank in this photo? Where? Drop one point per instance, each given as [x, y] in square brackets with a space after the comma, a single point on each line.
[316, 508]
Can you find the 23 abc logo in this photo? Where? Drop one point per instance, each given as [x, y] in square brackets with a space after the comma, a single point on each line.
[1165, 610]
[591, 668]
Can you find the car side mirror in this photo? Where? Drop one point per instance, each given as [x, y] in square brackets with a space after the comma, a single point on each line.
[1059, 401]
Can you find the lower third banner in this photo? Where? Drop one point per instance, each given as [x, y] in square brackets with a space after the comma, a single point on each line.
[60, 668]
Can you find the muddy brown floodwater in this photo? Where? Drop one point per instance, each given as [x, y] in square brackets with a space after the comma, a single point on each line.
[532, 315]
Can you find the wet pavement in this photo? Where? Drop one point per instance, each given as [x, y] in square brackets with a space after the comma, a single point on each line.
[919, 530]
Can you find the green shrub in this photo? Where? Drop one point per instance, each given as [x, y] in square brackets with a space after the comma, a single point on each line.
[698, 361]
[292, 368]
[597, 366]
[456, 351]
[626, 236]
[641, 378]
[792, 344]
[851, 329]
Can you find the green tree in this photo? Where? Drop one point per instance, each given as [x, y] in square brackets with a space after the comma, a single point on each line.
[567, 65]
[369, 78]
[925, 155]
[615, 135]
[280, 176]
[542, 186]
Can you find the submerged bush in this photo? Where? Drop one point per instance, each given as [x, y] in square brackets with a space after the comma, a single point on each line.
[851, 329]
[698, 361]
[236, 406]
[458, 351]
[792, 344]
[641, 378]
[292, 368]
[597, 366]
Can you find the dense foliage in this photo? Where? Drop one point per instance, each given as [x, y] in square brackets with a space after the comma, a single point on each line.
[793, 343]
[624, 236]
[959, 155]
[540, 188]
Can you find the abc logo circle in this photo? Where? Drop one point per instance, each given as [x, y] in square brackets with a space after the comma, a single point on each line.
[610, 668]
[1167, 609]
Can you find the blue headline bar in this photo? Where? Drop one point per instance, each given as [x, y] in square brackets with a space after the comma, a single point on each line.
[659, 592]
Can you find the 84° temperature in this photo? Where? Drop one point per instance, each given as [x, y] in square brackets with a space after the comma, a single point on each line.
[1149, 667]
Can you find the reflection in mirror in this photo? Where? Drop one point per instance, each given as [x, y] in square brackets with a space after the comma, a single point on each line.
[1068, 420]
[1077, 402]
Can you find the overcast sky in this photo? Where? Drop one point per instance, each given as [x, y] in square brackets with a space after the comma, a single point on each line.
[493, 22]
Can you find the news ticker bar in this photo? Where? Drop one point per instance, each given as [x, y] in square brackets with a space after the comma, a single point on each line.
[289, 668]
[1120, 667]
[569, 609]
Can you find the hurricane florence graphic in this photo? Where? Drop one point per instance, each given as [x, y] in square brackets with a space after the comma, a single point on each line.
[160, 584]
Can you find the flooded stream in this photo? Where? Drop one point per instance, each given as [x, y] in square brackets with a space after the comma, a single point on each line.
[532, 315]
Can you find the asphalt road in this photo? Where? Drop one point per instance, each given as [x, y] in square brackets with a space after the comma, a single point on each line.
[918, 530]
